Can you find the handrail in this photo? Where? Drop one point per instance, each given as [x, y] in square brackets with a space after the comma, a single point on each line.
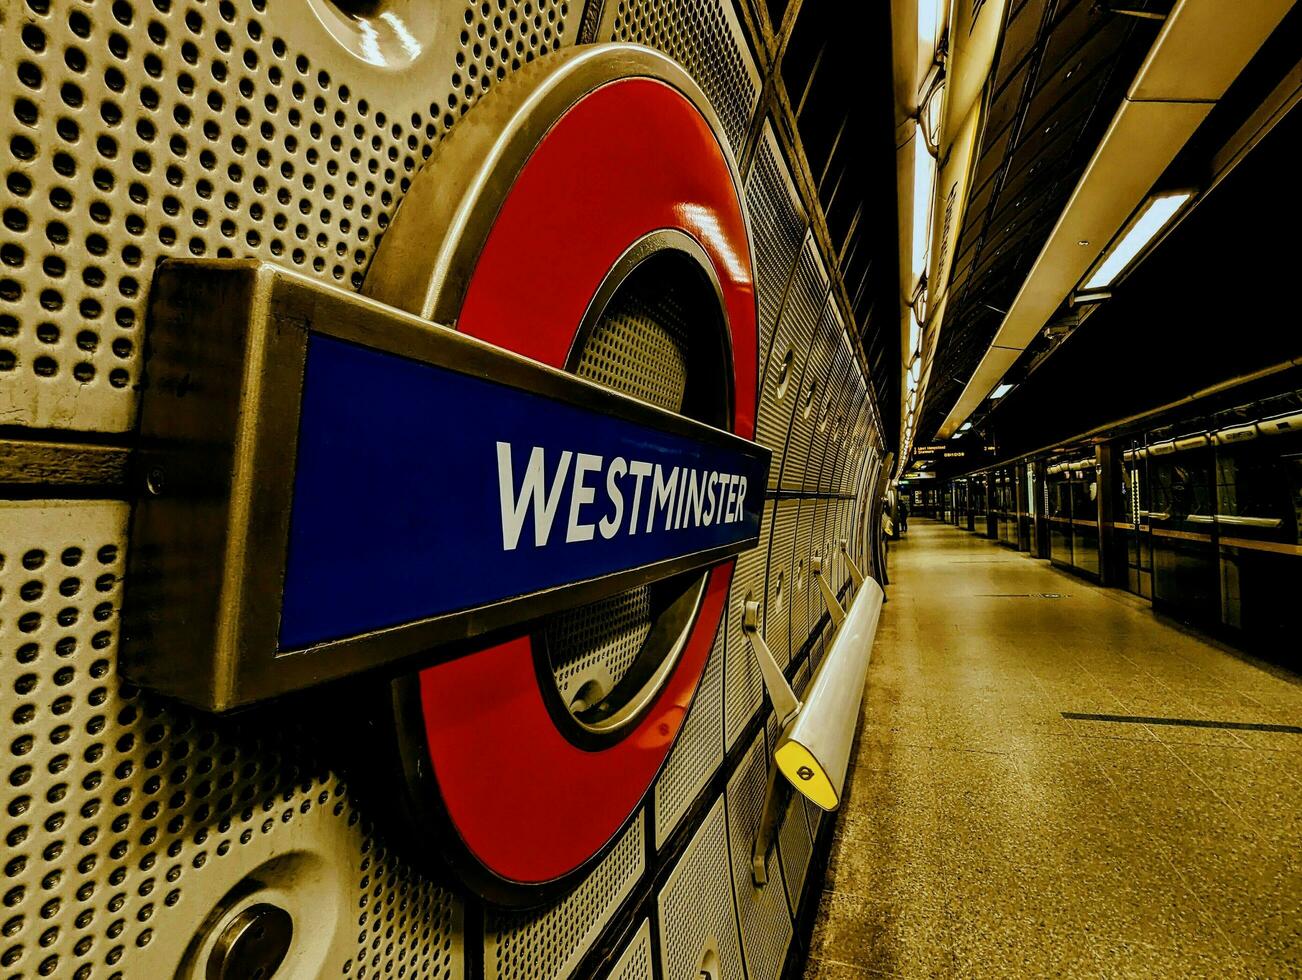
[813, 751]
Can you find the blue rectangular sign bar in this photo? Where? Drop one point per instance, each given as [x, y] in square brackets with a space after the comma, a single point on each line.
[420, 491]
[331, 485]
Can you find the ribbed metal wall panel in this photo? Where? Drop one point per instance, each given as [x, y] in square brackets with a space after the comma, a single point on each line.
[801, 469]
[795, 846]
[780, 394]
[742, 683]
[778, 224]
[777, 604]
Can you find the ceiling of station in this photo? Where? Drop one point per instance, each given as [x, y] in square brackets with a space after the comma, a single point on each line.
[1061, 72]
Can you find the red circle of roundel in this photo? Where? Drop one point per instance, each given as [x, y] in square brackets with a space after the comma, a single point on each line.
[632, 157]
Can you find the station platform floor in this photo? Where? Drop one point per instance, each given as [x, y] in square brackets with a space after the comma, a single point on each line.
[986, 834]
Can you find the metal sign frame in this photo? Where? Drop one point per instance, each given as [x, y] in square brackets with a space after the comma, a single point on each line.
[219, 436]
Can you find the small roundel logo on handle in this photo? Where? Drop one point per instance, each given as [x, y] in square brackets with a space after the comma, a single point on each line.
[805, 773]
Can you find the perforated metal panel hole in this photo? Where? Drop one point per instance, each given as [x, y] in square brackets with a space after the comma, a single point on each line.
[706, 38]
[138, 131]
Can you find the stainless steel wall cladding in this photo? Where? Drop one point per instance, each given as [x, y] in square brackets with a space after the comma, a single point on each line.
[829, 368]
[805, 586]
[781, 590]
[698, 921]
[800, 471]
[137, 131]
[550, 944]
[778, 224]
[782, 395]
[129, 823]
[795, 845]
[637, 961]
[706, 38]
[743, 685]
[762, 912]
[698, 753]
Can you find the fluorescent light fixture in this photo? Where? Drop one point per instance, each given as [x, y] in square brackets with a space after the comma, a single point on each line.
[928, 24]
[1002, 390]
[1082, 298]
[1152, 218]
[924, 185]
[914, 368]
[915, 330]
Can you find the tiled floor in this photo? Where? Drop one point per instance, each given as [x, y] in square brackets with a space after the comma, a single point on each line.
[984, 835]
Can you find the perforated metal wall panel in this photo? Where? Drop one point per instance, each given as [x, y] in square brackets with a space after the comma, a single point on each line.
[763, 913]
[795, 845]
[800, 470]
[742, 683]
[137, 131]
[637, 962]
[822, 546]
[823, 439]
[780, 392]
[697, 916]
[706, 38]
[801, 622]
[128, 821]
[550, 943]
[698, 753]
[781, 584]
[778, 225]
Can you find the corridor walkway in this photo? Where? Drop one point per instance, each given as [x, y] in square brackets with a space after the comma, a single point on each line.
[986, 835]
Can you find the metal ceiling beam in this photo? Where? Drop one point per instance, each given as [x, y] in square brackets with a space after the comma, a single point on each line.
[1203, 47]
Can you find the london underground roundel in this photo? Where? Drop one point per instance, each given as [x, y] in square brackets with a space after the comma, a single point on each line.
[586, 214]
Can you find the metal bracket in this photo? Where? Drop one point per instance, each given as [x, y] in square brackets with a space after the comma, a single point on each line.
[776, 797]
[785, 702]
[856, 576]
[829, 597]
[786, 706]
